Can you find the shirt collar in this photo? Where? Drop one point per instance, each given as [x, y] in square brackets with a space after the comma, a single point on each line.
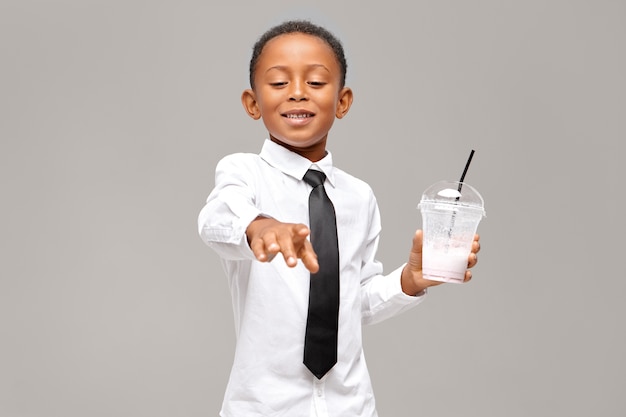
[293, 164]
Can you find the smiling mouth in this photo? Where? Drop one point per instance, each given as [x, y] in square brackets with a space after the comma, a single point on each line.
[298, 115]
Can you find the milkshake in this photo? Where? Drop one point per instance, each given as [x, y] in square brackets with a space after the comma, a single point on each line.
[451, 211]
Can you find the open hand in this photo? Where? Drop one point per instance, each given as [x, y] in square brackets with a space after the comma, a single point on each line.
[267, 237]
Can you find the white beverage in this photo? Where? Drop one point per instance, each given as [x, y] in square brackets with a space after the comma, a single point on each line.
[446, 267]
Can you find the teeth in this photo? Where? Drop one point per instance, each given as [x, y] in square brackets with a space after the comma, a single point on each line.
[298, 116]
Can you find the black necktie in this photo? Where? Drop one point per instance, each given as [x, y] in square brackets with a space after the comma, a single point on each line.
[320, 341]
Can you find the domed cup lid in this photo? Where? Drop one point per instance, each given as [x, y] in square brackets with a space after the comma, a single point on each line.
[455, 193]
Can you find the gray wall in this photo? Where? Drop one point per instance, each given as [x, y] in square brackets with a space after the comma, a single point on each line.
[114, 113]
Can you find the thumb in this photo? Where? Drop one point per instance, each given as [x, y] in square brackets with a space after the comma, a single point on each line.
[415, 257]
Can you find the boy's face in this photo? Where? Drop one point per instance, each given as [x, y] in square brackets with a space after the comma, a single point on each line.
[298, 93]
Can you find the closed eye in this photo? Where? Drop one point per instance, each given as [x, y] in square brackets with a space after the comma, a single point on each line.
[279, 84]
[316, 83]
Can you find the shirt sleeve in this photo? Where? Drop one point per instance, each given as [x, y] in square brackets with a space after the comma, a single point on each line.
[381, 295]
[383, 298]
[230, 208]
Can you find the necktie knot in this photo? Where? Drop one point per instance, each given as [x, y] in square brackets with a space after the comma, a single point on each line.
[314, 178]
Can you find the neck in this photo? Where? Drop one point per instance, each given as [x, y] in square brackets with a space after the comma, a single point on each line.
[313, 153]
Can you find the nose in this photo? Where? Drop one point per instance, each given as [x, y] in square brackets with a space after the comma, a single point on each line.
[297, 92]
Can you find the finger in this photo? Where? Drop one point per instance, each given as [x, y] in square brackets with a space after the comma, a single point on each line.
[309, 257]
[304, 248]
[291, 246]
[265, 249]
[472, 260]
[288, 250]
[258, 249]
[300, 233]
[292, 242]
[476, 246]
[468, 276]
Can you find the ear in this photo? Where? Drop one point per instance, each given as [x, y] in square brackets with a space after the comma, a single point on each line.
[248, 99]
[345, 101]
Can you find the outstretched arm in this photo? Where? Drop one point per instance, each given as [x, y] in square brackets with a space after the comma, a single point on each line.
[413, 282]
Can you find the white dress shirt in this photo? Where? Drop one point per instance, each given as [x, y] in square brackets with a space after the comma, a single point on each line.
[270, 299]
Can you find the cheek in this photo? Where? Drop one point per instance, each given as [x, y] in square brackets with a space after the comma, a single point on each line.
[269, 98]
[328, 102]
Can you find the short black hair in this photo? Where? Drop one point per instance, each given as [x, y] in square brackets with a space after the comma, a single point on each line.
[299, 26]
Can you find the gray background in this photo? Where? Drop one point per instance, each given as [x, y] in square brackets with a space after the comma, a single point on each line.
[113, 115]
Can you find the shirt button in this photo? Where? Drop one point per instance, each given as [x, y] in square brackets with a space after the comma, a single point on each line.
[319, 392]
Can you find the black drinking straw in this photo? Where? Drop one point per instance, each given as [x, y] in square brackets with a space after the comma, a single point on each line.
[467, 164]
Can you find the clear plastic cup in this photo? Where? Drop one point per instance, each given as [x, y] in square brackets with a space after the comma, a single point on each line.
[450, 219]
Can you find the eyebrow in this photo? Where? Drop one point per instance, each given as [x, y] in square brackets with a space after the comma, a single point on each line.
[284, 68]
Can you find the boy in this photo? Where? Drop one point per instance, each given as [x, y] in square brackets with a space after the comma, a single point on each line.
[259, 209]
